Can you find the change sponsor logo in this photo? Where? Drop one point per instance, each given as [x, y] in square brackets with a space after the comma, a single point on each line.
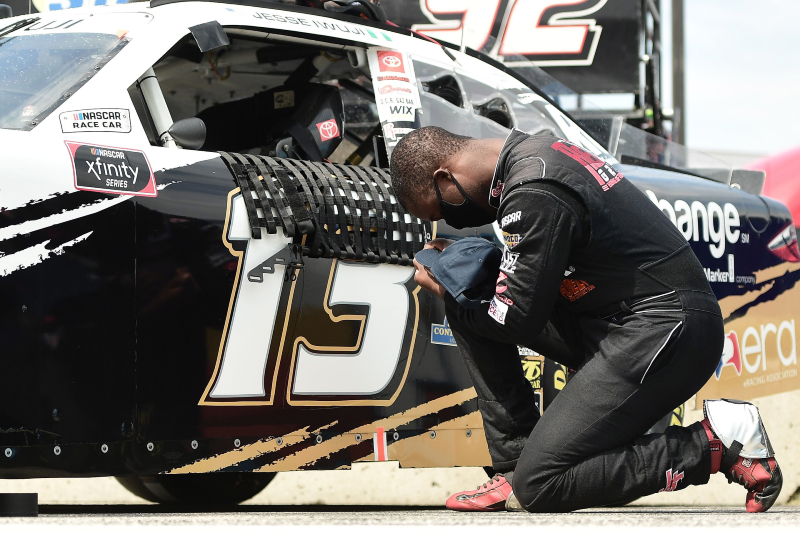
[442, 334]
[96, 120]
[707, 222]
[111, 170]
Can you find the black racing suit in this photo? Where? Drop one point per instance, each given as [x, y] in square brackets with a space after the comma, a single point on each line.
[595, 277]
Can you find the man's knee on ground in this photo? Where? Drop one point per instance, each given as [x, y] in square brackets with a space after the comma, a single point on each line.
[534, 492]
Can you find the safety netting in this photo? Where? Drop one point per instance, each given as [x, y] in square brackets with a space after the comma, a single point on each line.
[331, 210]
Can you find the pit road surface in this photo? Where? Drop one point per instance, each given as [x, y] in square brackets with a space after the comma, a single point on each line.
[129, 518]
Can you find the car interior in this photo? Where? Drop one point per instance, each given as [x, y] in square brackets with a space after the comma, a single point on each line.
[272, 97]
[285, 96]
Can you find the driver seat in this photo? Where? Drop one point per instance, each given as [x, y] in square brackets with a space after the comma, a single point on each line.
[302, 120]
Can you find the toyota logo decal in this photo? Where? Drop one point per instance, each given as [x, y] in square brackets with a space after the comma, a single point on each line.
[392, 61]
[328, 130]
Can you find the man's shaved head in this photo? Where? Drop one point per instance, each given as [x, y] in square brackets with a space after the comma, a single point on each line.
[417, 156]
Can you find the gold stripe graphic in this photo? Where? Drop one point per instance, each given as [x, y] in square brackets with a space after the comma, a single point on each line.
[731, 304]
[451, 447]
[312, 454]
[775, 271]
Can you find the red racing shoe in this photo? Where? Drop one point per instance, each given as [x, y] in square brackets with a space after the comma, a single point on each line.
[491, 496]
[741, 450]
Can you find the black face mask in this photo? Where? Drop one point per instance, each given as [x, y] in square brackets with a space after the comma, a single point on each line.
[467, 214]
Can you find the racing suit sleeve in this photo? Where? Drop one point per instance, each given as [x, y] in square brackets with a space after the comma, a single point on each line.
[542, 229]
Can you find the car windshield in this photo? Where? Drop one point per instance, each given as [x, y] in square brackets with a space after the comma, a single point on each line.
[37, 70]
[625, 142]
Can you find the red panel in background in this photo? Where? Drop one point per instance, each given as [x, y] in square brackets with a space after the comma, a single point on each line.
[783, 179]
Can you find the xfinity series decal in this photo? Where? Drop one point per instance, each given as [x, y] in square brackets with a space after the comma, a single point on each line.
[112, 170]
[100, 120]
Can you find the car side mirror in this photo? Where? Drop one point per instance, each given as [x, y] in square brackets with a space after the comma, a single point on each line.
[5, 11]
[189, 133]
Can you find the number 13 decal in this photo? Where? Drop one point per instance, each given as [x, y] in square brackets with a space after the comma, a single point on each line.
[349, 342]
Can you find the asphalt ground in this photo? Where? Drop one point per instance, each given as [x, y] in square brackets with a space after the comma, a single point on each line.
[130, 518]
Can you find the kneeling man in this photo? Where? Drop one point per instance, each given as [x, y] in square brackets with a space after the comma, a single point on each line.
[595, 277]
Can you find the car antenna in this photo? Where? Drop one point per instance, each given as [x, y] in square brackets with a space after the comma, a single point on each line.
[463, 33]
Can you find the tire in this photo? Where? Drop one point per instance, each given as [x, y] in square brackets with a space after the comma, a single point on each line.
[218, 488]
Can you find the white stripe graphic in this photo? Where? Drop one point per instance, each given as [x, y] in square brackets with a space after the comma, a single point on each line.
[34, 255]
[59, 218]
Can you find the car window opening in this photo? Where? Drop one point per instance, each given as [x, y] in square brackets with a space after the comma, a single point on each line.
[269, 97]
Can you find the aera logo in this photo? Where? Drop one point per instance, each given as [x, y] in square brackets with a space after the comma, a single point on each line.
[328, 130]
[390, 61]
[751, 352]
[730, 355]
[710, 222]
